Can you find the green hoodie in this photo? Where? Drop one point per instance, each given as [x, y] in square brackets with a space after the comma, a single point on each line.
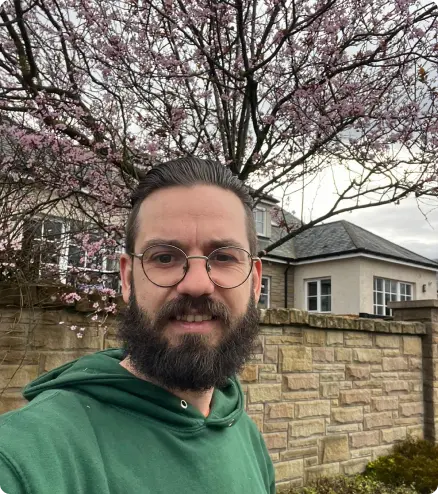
[91, 427]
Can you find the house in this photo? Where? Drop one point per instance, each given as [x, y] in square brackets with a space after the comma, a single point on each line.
[339, 268]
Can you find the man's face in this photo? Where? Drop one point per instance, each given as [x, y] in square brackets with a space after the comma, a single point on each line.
[197, 219]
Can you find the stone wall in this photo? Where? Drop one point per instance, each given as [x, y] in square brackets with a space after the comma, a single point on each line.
[328, 393]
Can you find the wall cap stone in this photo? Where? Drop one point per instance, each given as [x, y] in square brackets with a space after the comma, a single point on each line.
[414, 304]
[297, 317]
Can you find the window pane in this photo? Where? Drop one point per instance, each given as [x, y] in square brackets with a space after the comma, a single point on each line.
[52, 229]
[409, 290]
[380, 298]
[263, 302]
[378, 284]
[388, 311]
[265, 285]
[393, 287]
[387, 286]
[312, 288]
[326, 287]
[75, 254]
[312, 303]
[326, 305]
[378, 310]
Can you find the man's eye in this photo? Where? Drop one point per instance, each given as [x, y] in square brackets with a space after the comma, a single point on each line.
[163, 258]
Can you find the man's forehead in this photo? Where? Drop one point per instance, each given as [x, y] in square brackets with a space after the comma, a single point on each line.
[176, 211]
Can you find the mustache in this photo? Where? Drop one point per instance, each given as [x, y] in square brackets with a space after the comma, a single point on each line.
[185, 304]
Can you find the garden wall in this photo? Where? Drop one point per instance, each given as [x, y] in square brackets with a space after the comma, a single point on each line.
[328, 393]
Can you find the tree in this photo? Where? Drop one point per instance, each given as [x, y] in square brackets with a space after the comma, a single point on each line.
[93, 93]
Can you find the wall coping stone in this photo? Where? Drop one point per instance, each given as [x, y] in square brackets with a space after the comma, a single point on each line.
[296, 317]
[414, 304]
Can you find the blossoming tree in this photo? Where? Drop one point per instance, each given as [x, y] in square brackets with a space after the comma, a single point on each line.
[94, 92]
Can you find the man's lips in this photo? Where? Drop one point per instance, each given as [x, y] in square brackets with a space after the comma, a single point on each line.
[193, 327]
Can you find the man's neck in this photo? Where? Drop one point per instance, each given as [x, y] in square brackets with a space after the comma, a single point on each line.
[198, 399]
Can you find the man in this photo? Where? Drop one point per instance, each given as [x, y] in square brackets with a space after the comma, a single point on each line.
[165, 415]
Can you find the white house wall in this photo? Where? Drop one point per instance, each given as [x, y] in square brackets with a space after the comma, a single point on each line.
[352, 281]
[371, 268]
[345, 276]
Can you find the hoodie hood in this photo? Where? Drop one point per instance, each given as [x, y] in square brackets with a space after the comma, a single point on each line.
[101, 376]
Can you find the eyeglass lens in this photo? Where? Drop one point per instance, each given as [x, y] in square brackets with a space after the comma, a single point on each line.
[166, 265]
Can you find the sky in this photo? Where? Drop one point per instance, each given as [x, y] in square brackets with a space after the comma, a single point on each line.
[409, 224]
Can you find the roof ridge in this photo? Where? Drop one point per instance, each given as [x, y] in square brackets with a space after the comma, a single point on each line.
[347, 225]
[353, 225]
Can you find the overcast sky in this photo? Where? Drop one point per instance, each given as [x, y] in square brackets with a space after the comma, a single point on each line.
[404, 224]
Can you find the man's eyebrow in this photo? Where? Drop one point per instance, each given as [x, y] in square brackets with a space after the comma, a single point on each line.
[213, 244]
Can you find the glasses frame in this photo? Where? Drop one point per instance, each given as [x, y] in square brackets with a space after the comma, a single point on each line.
[187, 265]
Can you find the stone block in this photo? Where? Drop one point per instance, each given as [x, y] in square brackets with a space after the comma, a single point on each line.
[319, 471]
[279, 316]
[384, 403]
[411, 409]
[365, 439]
[329, 390]
[335, 338]
[284, 339]
[314, 337]
[258, 420]
[355, 397]
[275, 440]
[395, 363]
[350, 323]
[323, 354]
[353, 467]
[378, 420]
[393, 435]
[264, 316]
[331, 376]
[317, 321]
[17, 376]
[343, 415]
[335, 448]
[297, 358]
[297, 382]
[357, 339]
[388, 341]
[280, 410]
[60, 337]
[412, 345]
[343, 354]
[395, 386]
[367, 356]
[298, 316]
[357, 371]
[271, 354]
[300, 395]
[291, 454]
[381, 451]
[287, 470]
[306, 428]
[264, 392]
[317, 408]
[336, 429]
[249, 373]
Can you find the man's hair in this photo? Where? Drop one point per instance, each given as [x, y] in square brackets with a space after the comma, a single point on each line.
[188, 172]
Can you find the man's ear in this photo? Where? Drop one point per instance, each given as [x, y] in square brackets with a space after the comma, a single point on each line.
[257, 279]
[126, 276]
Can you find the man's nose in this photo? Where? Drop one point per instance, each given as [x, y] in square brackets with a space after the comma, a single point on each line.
[196, 281]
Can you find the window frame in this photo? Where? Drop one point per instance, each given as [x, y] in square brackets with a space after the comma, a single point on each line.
[264, 222]
[399, 296]
[318, 295]
[268, 294]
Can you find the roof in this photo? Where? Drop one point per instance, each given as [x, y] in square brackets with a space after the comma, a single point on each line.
[285, 250]
[342, 237]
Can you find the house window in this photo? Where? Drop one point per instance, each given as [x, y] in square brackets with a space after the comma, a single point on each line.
[265, 294]
[260, 221]
[387, 291]
[319, 295]
[57, 250]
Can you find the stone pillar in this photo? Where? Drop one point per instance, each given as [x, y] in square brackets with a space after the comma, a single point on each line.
[425, 311]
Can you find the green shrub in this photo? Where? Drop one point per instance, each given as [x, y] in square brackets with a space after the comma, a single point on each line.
[413, 462]
[351, 485]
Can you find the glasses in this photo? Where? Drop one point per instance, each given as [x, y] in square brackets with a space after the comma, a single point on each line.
[166, 265]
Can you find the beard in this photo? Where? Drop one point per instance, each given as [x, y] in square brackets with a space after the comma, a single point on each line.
[193, 362]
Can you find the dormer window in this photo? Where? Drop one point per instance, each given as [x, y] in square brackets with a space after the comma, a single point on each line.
[260, 221]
